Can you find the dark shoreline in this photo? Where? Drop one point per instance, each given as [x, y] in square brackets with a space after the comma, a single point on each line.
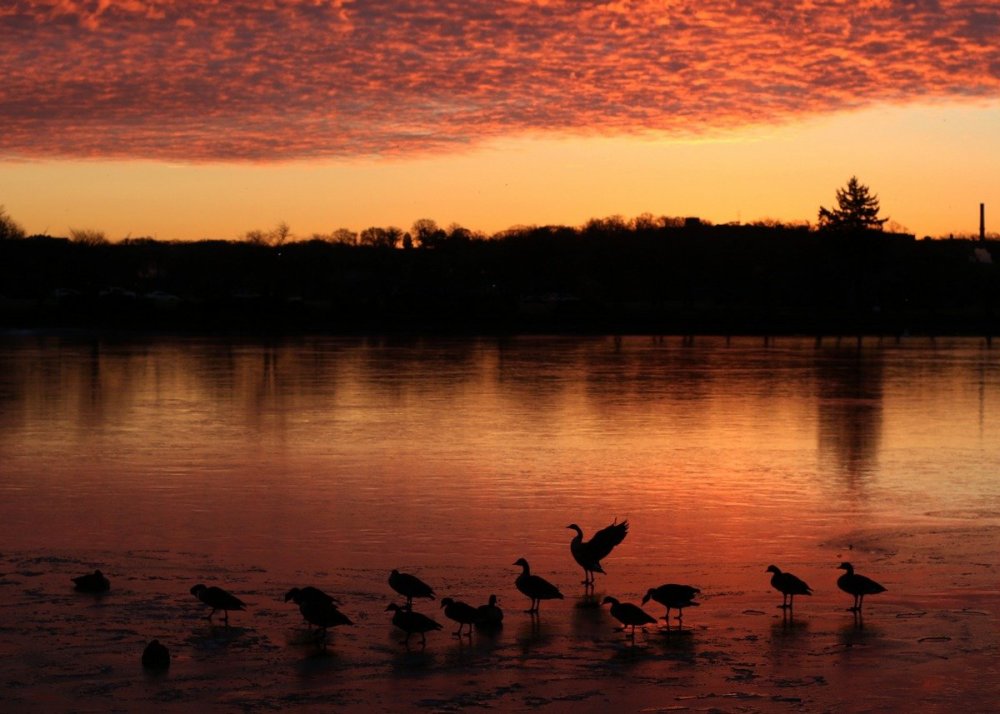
[703, 280]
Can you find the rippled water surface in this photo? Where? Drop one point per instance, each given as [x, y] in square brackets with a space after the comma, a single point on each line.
[335, 460]
[435, 451]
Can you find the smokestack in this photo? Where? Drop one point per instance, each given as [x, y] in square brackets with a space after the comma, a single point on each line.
[982, 222]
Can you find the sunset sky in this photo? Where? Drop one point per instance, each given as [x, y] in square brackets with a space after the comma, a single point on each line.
[192, 118]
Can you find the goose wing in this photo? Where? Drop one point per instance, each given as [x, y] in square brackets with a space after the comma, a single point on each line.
[866, 586]
[218, 598]
[417, 622]
[605, 540]
[323, 614]
[790, 585]
[629, 614]
[538, 587]
[410, 585]
[672, 594]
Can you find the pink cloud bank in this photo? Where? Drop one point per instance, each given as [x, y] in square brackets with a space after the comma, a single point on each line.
[201, 80]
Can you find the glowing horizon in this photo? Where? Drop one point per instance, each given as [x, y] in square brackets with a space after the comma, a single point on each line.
[203, 119]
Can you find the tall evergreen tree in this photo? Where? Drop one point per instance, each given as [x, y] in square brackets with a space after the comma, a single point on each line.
[857, 210]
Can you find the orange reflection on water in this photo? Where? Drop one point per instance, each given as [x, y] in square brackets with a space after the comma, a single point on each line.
[478, 451]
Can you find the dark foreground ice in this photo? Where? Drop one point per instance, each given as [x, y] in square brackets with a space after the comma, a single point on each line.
[928, 644]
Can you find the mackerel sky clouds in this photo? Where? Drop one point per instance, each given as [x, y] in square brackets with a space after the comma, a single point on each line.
[302, 80]
[279, 80]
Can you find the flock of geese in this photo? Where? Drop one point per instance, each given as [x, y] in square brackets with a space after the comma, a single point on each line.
[322, 610]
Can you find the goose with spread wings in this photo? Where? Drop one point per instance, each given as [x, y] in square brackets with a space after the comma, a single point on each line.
[589, 554]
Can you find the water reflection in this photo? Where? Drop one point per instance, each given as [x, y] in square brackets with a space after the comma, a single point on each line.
[371, 449]
[849, 404]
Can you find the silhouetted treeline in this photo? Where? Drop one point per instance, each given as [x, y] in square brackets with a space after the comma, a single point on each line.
[681, 279]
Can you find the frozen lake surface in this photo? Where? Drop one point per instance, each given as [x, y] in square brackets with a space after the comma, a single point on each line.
[259, 467]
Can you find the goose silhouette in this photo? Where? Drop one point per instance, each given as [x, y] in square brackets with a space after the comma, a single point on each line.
[412, 622]
[324, 614]
[94, 582]
[217, 599]
[628, 614]
[409, 586]
[788, 585]
[589, 554]
[462, 613]
[673, 597]
[155, 656]
[535, 587]
[857, 585]
[489, 615]
[310, 596]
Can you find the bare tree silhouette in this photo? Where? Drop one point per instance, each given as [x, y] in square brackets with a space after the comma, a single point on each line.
[9, 228]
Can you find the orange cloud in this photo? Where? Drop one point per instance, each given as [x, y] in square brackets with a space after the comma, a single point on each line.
[201, 80]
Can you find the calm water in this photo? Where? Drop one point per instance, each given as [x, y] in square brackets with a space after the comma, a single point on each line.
[431, 453]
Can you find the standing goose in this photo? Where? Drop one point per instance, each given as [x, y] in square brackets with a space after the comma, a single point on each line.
[462, 613]
[589, 554]
[628, 614]
[409, 586]
[94, 582]
[788, 585]
[857, 585]
[309, 595]
[410, 622]
[324, 614]
[535, 587]
[673, 597]
[489, 616]
[217, 599]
